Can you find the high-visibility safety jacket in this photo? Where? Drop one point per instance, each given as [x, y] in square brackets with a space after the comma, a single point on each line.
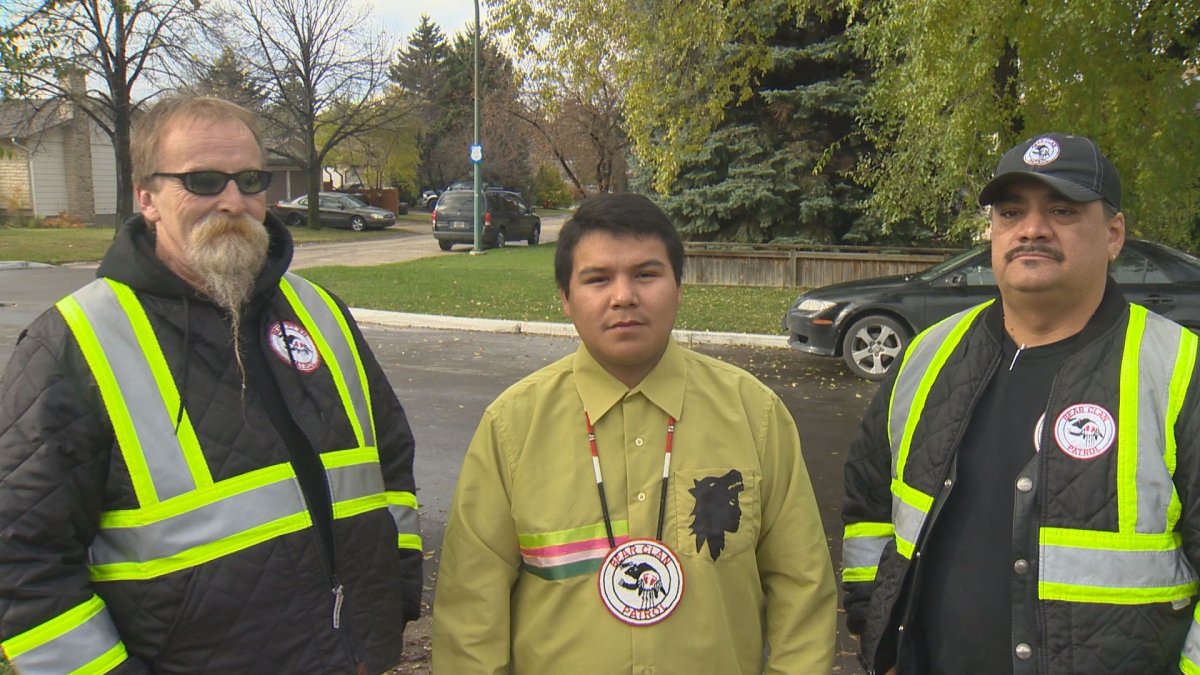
[1113, 524]
[202, 554]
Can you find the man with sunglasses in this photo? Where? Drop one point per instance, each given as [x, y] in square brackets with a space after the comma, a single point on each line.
[202, 465]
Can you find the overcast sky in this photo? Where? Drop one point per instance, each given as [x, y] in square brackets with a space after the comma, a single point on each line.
[400, 17]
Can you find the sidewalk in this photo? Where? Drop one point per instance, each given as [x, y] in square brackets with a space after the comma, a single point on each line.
[375, 317]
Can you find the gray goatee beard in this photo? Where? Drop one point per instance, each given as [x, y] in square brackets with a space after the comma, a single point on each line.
[227, 253]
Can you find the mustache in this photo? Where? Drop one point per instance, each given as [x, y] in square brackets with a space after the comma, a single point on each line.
[217, 225]
[1040, 249]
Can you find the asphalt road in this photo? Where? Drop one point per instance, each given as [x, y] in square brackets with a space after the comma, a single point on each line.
[446, 378]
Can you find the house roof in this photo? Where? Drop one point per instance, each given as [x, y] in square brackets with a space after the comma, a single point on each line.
[25, 118]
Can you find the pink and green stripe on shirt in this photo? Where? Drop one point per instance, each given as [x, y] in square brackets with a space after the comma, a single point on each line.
[569, 553]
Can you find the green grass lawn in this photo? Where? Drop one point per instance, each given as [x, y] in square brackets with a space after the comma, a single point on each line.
[518, 283]
[57, 246]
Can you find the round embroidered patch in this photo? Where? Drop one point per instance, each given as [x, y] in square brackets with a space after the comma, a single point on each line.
[1042, 152]
[1085, 431]
[641, 582]
[293, 345]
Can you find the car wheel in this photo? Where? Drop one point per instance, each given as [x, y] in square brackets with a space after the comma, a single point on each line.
[358, 224]
[444, 245]
[535, 236]
[872, 344]
[500, 238]
[295, 219]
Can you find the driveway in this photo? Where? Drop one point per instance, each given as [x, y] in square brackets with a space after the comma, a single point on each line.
[418, 243]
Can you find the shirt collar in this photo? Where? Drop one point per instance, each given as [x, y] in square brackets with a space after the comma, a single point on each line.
[600, 391]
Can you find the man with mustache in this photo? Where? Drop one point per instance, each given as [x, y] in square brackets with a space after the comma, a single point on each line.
[202, 465]
[576, 542]
[1024, 496]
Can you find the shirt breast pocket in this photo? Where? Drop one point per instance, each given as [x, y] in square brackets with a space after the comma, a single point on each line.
[716, 512]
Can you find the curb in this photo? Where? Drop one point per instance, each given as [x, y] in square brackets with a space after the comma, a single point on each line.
[375, 317]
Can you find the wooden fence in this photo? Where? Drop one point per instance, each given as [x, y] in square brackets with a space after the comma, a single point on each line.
[800, 267]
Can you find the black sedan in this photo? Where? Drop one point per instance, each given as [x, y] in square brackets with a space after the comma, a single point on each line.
[870, 322]
[337, 210]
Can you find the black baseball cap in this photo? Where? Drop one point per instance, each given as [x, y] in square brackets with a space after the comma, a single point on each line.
[1072, 165]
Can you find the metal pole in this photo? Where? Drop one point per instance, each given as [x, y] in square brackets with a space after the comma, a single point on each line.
[476, 165]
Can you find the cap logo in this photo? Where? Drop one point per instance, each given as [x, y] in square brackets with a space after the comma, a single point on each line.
[1042, 152]
[1085, 431]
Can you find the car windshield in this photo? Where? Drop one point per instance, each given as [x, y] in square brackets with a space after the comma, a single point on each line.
[457, 200]
[950, 263]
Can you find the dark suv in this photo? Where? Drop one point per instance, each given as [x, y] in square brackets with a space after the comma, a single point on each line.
[505, 218]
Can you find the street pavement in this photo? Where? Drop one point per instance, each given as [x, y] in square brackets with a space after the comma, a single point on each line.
[446, 376]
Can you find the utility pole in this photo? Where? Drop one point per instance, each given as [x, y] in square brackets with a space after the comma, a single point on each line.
[477, 149]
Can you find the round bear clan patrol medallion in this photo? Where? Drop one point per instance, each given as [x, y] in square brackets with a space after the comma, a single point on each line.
[294, 346]
[641, 582]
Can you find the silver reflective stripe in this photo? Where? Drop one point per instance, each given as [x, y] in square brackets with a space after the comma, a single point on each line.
[328, 324]
[1156, 364]
[907, 519]
[151, 420]
[863, 551]
[201, 525]
[354, 481]
[72, 650]
[1191, 646]
[912, 370]
[407, 519]
[1114, 569]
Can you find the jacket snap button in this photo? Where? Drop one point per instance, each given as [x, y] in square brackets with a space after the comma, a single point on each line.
[1024, 651]
[1021, 566]
[1024, 484]
[948, 482]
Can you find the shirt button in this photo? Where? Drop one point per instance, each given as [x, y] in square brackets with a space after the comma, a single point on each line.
[638, 442]
[1024, 651]
[641, 496]
[1021, 566]
[1024, 484]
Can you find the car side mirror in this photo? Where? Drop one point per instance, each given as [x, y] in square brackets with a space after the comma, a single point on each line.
[955, 281]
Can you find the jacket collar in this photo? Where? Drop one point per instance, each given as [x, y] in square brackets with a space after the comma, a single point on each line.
[1112, 306]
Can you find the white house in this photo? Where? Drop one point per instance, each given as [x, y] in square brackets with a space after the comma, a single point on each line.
[54, 160]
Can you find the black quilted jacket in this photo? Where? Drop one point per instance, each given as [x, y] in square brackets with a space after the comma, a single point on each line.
[266, 609]
[1083, 638]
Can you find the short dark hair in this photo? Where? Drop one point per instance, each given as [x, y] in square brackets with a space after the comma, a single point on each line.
[621, 215]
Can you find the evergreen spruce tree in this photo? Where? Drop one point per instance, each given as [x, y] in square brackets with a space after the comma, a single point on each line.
[776, 168]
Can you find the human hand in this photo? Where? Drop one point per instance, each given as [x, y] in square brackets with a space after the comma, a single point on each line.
[892, 671]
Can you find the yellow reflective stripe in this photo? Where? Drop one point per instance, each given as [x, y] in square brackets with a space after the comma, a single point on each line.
[399, 498]
[867, 529]
[201, 554]
[1187, 667]
[114, 402]
[323, 348]
[1115, 596]
[852, 574]
[54, 628]
[353, 346]
[1181, 377]
[1127, 422]
[927, 379]
[193, 500]
[911, 496]
[338, 458]
[352, 507]
[1109, 541]
[409, 541]
[105, 662]
[157, 362]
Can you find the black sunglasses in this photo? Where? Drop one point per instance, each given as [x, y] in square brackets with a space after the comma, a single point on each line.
[208, 183]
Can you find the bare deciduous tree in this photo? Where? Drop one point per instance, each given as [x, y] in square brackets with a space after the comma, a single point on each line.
[94, 53]
[324, 73]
